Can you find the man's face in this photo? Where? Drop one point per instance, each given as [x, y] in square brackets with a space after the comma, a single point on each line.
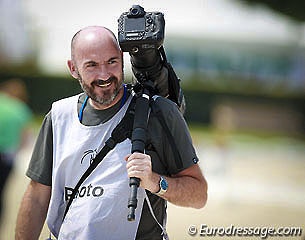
[99, 69]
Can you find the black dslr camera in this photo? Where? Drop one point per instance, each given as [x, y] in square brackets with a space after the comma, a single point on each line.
[142, 34]
[139, 30]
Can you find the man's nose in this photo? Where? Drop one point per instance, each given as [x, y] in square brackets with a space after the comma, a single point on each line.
[103, 72]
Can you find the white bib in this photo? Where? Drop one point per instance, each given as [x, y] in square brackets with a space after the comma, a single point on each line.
[99, 211]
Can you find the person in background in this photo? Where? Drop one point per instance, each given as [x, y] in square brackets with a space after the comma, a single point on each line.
[14, 118]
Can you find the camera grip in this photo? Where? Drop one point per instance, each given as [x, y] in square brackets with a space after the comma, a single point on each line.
[145, 58]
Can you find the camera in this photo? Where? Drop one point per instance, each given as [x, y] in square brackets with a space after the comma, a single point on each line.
[142, 34]
[139, 30]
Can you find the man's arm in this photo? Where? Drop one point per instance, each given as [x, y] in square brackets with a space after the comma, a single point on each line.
[33, 211]
[188, 188]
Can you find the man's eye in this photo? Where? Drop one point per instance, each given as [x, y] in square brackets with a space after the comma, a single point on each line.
[112, 61]
[91, 64]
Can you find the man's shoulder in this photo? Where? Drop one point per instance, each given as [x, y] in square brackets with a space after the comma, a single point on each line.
[64, 103]
[164, 104]
[64, 107]
[67, 99]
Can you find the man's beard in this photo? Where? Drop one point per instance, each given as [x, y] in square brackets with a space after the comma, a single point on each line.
[106, 99]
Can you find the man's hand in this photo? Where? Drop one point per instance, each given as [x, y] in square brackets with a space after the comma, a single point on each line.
[139, 165]
[188, 188]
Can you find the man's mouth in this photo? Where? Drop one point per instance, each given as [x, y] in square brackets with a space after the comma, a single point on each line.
[104, 83]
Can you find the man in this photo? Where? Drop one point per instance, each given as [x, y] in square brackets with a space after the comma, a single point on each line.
[68, 142]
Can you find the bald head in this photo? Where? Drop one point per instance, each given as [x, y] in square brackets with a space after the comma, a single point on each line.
[93, 35]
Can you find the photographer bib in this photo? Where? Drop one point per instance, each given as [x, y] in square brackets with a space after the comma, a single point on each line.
[99, 208]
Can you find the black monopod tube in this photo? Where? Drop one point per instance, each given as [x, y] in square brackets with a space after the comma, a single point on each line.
[138, 141]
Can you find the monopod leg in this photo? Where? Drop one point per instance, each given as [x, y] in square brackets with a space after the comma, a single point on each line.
[138, 141]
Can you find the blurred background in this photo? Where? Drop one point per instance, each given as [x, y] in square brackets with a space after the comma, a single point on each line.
[242, 68]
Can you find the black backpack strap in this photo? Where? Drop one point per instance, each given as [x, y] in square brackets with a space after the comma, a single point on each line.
[158, 113]
[121, 132]
[174, 90]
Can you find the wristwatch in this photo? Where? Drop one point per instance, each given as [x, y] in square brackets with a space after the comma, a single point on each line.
[163, 186]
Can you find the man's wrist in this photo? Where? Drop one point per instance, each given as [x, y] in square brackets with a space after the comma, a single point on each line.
[163, 186]
[157, 184]
[154, 186]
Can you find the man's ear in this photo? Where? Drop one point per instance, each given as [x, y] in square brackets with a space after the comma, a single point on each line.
[72, 69]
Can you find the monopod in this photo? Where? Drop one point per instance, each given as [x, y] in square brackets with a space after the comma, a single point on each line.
[138, 139]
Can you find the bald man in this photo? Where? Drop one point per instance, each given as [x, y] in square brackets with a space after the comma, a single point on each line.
[75, 130]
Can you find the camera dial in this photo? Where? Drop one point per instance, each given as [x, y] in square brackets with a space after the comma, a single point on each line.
[136, 11]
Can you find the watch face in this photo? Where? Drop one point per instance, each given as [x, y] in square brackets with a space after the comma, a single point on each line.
[164, 184]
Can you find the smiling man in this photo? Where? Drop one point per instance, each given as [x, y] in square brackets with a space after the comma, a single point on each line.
[75, 130]
[98, 65]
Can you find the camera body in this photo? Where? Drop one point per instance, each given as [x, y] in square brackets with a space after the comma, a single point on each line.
[139, 30]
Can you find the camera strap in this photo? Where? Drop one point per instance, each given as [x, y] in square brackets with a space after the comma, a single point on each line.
[157, 112]
[174, 89]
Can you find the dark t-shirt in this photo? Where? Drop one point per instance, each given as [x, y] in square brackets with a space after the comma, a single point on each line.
[159, 148]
